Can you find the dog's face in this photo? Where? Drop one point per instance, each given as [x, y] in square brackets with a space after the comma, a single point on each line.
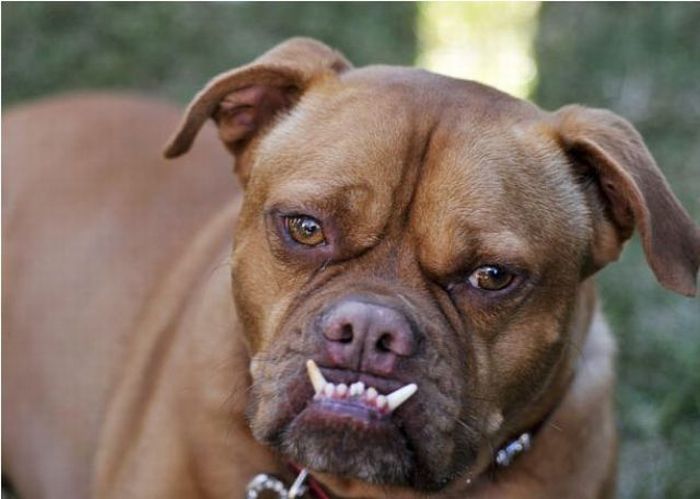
[405, 244]
[402, 228]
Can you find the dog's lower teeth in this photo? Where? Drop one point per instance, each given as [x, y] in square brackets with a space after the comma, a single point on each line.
[370, 394]
[357, 389]
[383, 403]
[341, 390]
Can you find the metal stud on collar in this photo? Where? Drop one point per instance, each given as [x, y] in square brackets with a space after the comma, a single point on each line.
[268, 483]
[514, 448]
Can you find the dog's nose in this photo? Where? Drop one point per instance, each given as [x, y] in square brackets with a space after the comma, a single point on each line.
[367, 336]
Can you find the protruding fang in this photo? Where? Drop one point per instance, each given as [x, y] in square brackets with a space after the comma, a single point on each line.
[400, 396]
[317, 379]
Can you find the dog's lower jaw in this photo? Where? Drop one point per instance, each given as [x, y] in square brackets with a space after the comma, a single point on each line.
[387, 452]
[375, 457]
[380, 454]
[370, 467]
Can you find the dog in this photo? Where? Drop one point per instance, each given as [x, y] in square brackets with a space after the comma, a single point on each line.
[408, 308]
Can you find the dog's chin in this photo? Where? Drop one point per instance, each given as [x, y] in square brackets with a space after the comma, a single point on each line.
[352, 444]
[385, 442]
[358, 446]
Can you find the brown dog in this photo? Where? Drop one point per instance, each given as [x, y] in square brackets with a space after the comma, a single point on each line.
[398, 228]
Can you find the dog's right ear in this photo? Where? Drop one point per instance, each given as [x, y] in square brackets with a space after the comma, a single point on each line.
[629, 191]
[245, 100]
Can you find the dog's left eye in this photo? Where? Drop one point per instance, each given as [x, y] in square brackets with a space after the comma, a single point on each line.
[305, 230]
[491, 278]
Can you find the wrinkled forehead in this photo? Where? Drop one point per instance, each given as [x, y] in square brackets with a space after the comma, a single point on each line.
[377, 123]
[454, 156]
[343, 134]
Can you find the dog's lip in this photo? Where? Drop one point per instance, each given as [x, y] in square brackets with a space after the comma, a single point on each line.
[356, 414]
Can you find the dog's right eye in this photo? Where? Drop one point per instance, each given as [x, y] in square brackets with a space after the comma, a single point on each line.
[491, 278]
[305, 230]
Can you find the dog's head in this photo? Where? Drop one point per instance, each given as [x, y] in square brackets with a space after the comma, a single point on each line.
[405, 230]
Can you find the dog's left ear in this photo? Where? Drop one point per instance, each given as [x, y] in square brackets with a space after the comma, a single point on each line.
[626, 190]
[245, 101]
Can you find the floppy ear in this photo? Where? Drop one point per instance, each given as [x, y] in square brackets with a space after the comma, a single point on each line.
[245, 100]
[626, 190]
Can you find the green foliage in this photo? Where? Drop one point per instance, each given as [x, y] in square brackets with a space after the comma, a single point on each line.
[641, 61]
[171, 49]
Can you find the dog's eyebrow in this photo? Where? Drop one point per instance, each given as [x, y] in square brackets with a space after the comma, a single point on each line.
[503, 247]
[317, 193]
[504, 241]
[478, 247]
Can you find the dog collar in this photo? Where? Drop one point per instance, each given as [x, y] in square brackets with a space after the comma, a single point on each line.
[304, 483]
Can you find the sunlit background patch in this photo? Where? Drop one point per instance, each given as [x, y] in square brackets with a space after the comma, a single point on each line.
[489, 42]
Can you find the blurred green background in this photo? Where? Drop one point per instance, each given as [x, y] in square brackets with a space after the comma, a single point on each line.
[643, 61]
[640, 60]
